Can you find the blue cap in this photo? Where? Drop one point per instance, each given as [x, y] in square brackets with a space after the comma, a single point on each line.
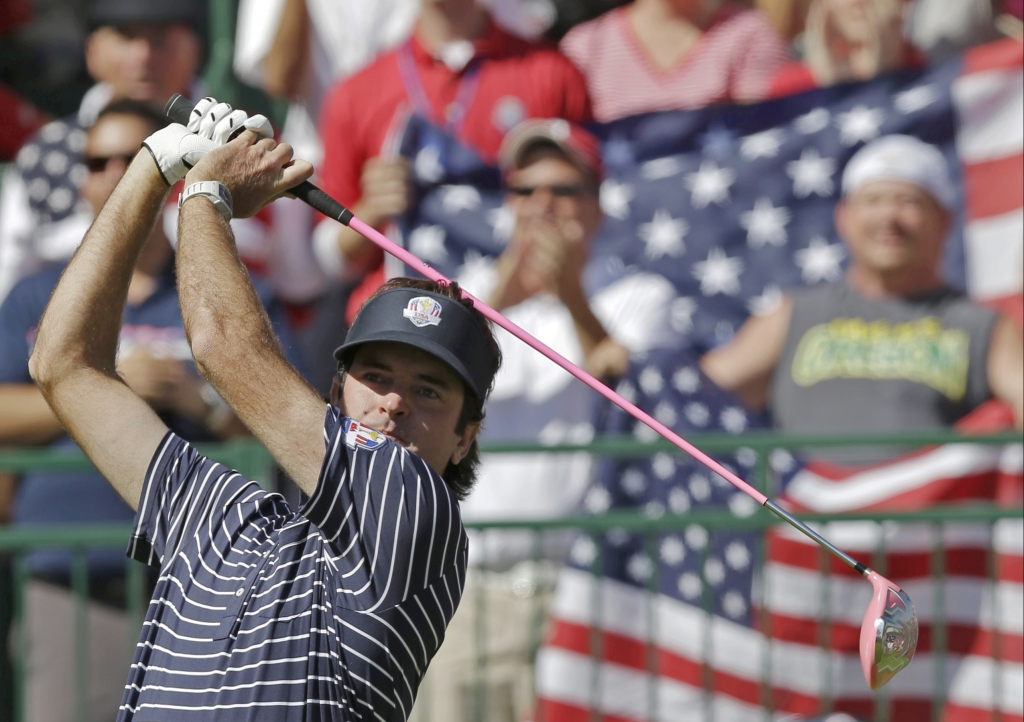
[434, 323]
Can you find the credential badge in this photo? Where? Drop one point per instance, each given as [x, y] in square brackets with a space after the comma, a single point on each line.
[423, 311]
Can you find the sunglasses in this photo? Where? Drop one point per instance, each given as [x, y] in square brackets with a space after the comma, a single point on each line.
[561, 191]
[98, 164]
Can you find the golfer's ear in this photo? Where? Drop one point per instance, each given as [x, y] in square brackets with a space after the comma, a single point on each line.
[466, 439]
[335, 395]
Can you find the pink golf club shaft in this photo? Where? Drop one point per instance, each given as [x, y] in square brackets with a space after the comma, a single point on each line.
[179, 108]
[418, 265]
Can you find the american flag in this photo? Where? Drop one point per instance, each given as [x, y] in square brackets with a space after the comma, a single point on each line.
[733, 205]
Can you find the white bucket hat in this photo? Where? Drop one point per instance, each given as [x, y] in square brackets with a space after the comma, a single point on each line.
[904, 158]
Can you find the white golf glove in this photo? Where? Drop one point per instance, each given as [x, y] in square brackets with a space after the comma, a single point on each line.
[177, 148]
[219, 123]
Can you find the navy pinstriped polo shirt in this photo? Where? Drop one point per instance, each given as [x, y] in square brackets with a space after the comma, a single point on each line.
[265, 613]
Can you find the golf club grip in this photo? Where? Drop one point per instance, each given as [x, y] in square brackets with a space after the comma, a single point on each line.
[179, 108]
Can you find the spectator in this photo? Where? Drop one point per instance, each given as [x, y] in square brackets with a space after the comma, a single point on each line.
[670, 54]
[140, 49]
[890, 347]
[156, 362]
[847, 40]
[460, 71]
[552, 171]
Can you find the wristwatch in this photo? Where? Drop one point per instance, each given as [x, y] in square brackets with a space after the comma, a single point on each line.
[215, 191]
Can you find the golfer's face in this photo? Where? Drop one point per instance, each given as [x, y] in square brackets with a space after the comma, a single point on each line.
[411, 397]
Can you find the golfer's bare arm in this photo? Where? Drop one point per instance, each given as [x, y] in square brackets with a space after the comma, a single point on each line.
[231, 337]
[73, 362]
[744, 366]
[1005, 367]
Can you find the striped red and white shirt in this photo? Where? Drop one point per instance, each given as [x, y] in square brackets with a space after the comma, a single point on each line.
[734, 60]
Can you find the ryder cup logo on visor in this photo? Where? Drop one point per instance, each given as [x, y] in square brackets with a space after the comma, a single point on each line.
[423, 311]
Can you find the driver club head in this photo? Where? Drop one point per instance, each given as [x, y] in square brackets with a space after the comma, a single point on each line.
[888, 634]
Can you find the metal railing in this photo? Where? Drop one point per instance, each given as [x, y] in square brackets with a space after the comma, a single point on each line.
[482, 699]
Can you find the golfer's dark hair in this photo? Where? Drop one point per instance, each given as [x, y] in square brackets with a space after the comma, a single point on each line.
[137, 108]
[462, 476]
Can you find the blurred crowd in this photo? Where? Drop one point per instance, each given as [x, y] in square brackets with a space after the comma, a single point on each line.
[82, 83]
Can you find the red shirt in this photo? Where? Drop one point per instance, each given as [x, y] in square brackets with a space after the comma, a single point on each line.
[517, 80]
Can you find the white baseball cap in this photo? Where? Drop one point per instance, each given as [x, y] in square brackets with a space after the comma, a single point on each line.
[904, 158]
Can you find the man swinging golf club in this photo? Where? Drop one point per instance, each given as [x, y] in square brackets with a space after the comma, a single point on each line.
[331, 612]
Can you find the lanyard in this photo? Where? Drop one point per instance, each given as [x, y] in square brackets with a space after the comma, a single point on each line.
[456, 111]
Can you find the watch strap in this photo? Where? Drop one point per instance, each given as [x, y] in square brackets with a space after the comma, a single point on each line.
[215, 191]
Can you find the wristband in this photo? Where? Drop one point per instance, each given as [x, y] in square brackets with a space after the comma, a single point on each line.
[215, 191]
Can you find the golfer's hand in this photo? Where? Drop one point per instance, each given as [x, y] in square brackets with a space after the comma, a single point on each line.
[387, 190]
[256, 170]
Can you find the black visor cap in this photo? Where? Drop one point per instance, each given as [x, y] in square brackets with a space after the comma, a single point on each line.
[431, 322]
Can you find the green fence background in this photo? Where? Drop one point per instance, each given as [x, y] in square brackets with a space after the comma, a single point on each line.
[252, 460]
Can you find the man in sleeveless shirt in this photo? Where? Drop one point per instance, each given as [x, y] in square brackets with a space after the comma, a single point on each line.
[890, 346]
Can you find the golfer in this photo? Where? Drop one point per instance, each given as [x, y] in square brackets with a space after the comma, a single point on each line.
[261, 612]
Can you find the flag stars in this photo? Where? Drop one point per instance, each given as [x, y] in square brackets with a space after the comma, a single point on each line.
[859, 124]
[689, 585]
[660, 168]
[719, 273]
[584, 551]
[680, 314]
[686, 380]
[427, 242]
[665, 412]
[455, 198]
[742, 505]
[696, 537]
[679, 500]
[672, 551]
[812, 122]
[663, 235]
[639, 567]
[820, 261]
[651, 380]
[700, 487]
[597, 500]
[811, 174]
[765, 144]
[502, 221]
[714, 571]
[663, 466]
[765, 224]
[710, 184]
[733, 419]
[697, 413]
[733, 604]
[915, 99]
[615, 199]
[633, 482]
[427, 165]
[737, 556]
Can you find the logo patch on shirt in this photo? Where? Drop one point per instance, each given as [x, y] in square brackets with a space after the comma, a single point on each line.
[357, 435]
[852, 348]
[423, 311]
